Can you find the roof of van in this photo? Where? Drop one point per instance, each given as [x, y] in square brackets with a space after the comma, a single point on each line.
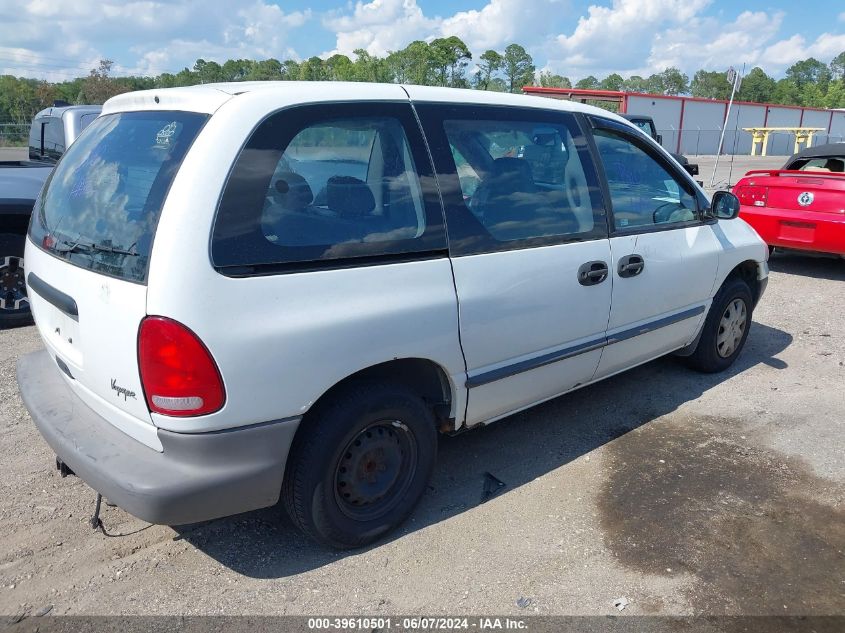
[59, 111]
[209, 97]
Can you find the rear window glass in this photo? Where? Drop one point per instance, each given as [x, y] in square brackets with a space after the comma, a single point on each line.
[312, 186]
[101, 205]
[824, 164]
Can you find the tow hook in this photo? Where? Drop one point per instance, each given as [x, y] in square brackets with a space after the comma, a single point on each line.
[63, 469]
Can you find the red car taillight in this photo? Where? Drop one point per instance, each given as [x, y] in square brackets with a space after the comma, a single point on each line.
[752, 195]
[179, 376]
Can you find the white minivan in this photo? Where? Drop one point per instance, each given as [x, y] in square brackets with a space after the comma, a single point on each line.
[256, 290]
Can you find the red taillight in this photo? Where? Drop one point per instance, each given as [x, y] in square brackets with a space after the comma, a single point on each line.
[752, 195]
[179, 376]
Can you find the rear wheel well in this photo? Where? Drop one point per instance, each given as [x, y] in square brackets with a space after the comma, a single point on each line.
[423, 377]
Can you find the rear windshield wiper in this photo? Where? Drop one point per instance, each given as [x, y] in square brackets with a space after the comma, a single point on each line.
[78, 247]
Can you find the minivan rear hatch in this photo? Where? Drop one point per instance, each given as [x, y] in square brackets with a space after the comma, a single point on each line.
[91, 237]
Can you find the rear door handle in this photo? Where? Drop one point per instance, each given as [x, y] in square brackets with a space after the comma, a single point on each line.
[592, 273]
[631, 265]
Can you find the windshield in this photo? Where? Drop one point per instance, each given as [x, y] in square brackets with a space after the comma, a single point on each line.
[101, 205]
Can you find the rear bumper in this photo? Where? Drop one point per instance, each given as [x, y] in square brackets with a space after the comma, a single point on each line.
[801, 230]
[197, 477]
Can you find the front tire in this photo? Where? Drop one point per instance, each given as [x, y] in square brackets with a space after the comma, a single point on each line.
[725, 328]
[359, 464]
[14, 304]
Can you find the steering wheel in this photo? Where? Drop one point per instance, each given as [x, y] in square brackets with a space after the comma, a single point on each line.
[665, 210]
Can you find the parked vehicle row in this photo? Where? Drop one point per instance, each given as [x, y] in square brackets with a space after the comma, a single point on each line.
[52, 131]
[261, 289]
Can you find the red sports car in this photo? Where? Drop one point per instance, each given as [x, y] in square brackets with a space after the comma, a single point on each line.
[801, 206]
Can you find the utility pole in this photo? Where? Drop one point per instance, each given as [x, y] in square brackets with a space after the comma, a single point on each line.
[734, 78]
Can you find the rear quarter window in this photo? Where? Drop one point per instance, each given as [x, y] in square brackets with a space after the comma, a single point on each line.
[101, 205]
[317, 186]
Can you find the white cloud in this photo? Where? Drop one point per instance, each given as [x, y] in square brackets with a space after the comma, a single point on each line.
[380, 26]
[786, 52]
[618, 37]
[58, 40]
[502, 22]
[645, 36]
[713, 44]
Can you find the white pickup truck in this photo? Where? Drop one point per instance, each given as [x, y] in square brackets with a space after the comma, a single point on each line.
[52, 132]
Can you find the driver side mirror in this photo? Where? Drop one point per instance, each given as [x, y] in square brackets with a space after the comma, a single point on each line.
[724, 206]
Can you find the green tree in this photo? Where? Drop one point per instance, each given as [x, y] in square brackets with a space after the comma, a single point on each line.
[518, 68]
[339, 68]
[587, 83]
[18, 99]
[812, 96]
[450, 57]
[613, 81]
[370, 68]
[98, 87]
[835, 97]
[670, 81]
[548, 80]
[235, 69]
[635, 83]
[265, 70]
[809, 71]
[289, 70]
[414, 64]
[837, 67]
[312, 69]
[786, 92]
[710, 85]
[489, 64]
[757, 86]
[208, 72]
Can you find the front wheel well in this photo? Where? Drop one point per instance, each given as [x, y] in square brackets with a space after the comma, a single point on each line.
[747, 271]
[423, 377]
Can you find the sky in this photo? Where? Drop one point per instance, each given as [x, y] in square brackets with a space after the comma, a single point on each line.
[57, 40]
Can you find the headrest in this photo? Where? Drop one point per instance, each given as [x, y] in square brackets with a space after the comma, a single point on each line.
[835, 165]
[292, 191]
[349, 197]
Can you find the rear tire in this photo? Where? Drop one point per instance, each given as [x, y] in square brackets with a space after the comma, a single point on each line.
[359, 464]
[725, 329]
[14, 305]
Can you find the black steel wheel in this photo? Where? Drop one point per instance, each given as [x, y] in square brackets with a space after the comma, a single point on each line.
[14, 303]
[359, 464]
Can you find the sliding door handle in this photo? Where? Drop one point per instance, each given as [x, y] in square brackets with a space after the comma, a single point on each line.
[631, 266]
[592, 273]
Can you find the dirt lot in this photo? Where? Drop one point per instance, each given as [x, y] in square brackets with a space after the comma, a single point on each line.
[683, 493]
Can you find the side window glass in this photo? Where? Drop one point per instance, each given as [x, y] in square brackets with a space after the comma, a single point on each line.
[341, 182]
[642, 192]
[309, 188]
[521, 180]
